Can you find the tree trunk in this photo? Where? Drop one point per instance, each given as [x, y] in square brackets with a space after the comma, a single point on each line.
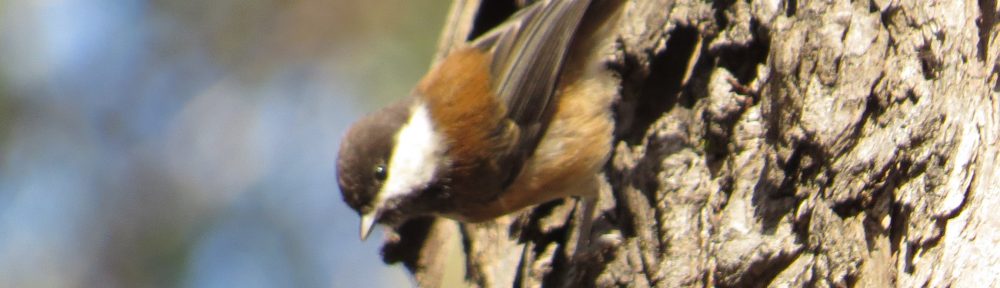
[766, 143]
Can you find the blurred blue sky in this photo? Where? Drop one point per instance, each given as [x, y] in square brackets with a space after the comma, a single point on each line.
[191, 143]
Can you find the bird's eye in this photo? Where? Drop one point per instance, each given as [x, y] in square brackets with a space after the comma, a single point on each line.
[381, 173]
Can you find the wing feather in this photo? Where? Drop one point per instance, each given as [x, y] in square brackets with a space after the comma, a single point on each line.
[529, 51]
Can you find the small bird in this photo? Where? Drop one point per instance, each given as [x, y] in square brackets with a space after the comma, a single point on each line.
[517, 117]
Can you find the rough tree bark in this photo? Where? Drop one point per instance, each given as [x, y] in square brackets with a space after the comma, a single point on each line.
[767, 143]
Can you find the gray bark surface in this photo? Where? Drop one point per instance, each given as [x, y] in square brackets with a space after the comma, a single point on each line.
[767, 143]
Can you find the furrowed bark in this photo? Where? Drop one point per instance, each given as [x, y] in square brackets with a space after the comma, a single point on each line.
[767, 143]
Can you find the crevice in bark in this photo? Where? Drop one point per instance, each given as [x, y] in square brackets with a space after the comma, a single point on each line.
[558, 268]
[874, 106]
[791, 7]
[726, 188]
[717, 142]
[519, 275]
[851, 279]
[720, 7]
[800, 227]
[965, 199]
[530, 230]
[809, 161]
[930, 63]
[473, 273]
[941, 223]
[994, 73]
[718, 135]
[764, 202]
[646, 171]
[886, 20]
[891, 176]
[987, 20]
[660, 91]
[742, 61]
[623, 209]
[632, 74]
[874, 229]
[898, 225]
[406, 247]
[644, 176]
[491, 14]
[588, 274]
[908, 256]
[763, 271]
[849, 208]
[772, 203]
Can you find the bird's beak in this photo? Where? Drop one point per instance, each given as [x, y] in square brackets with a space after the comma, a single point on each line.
[367, 225]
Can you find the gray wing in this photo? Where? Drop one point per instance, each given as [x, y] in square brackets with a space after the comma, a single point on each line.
[529, 51]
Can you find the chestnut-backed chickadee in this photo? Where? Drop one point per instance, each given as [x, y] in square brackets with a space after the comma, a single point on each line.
[517, 117]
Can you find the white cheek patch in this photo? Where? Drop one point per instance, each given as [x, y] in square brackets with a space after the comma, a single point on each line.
[414, 158]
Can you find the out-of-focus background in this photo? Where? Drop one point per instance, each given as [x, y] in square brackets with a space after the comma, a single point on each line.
[189, 143]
